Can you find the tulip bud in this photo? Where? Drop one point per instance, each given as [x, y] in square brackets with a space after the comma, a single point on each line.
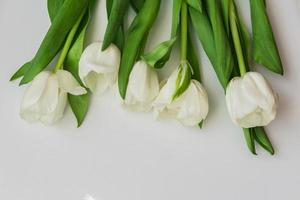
[251, 102]
[190, 108]
[98, 69]
[45, 99]
[143, 87]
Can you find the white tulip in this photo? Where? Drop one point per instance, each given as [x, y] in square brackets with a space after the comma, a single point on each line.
[98, 69]
[143, 87]
[45, 99]
[251, 101]
[190, 108]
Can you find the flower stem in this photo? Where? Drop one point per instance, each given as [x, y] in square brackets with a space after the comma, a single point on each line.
[184, 30]
[236, 39]
[67, 45]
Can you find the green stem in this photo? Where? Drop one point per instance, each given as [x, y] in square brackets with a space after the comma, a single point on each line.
[236, 39]
[67, 45]
[184, 30]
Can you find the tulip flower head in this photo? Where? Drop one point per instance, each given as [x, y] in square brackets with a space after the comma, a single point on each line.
[143, 87]
[190, 108]
[45, 99]
[98, 69]
[251, 102]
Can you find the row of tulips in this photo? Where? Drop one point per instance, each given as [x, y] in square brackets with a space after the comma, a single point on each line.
[251, 101]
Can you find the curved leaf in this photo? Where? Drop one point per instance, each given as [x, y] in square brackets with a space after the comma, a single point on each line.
[265, 48]
[224, 58]
[119, 37]
[115, 21]
[21, 71]
[155, 57]
[262, 138]
[55, 37]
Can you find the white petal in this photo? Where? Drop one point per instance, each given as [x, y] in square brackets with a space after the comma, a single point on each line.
[40, 97]
[165, 95]
[143, 87]
[58, 112]
[95, 62]
[34, 91]
[49, 99]
[69, 84]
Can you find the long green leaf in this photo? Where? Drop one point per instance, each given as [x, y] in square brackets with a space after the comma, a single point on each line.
[79, 104]
[224, 57]
[204, 32]
[137, 32]
[115, 21]
[119, 37]
[213, 39]
[54, 7]
[55, 37]
[265, 49]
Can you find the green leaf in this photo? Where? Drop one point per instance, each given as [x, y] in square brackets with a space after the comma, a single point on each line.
[137, 32]
[54, 7]
[79, 104]
[119, 38]
[224, 57]
[55, 37]
[197, 4]
[193, 59]
[262, 138]
[115, 21]
[249, 136]
[21, 71]
[204, 32]
[137, 4]
[265, 49]
[155, 57]
[211, 32]
[225, 11]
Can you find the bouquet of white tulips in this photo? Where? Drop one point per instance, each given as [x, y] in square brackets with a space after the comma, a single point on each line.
[120, 57]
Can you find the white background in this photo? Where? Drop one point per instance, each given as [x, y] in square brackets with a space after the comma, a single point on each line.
[121, 155]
